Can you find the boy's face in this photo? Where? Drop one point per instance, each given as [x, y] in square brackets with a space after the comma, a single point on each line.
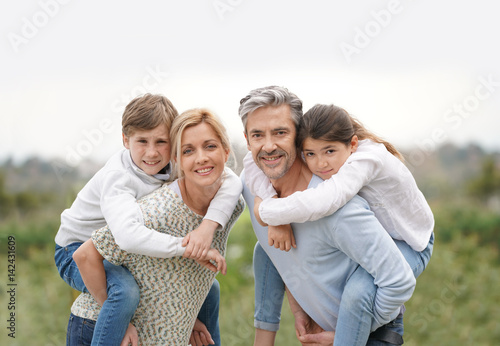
[150, 149]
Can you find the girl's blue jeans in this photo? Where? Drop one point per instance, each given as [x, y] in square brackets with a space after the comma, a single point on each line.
[118, 309]
[356, 308]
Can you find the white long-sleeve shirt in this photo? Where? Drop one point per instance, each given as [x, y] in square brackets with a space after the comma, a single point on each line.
[373, 173]
[110, 197]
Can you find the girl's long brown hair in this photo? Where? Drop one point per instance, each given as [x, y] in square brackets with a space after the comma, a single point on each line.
[333, 124]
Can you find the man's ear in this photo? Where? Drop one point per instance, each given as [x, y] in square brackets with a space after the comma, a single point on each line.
[246, 138]
[125, 141]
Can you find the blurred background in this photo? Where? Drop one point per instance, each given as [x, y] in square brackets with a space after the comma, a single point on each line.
[423, 75]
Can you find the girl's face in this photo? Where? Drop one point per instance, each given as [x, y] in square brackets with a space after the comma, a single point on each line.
[202, 155]
[325, 158]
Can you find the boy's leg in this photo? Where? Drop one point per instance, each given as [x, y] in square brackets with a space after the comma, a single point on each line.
[119, 307]
[209, 312]
[269, 293]
[67, 267]
[79, 331]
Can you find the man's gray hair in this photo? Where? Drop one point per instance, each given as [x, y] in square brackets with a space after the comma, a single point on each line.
[270, 96]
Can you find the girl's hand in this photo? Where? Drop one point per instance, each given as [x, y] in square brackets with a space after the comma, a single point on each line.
[281, 237]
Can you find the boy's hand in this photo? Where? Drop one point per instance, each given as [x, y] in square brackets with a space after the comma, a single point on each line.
[200, 335]
[281, 237]
[199, 241]
[214, 255]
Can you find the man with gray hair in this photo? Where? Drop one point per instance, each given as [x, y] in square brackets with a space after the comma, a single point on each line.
[329, 251]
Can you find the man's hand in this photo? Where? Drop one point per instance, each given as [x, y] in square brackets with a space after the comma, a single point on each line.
[281, 237]
[199, 241]
[200, 335]
[214, 255]
[310, 333]
[130, 337]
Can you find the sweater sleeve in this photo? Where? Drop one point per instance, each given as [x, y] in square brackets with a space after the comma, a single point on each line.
[257, 182]
[363, 239]
[125, 220]
[222, 206]
[324, 199]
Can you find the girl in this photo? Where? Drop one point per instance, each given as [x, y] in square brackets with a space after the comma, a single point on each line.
[352, 161]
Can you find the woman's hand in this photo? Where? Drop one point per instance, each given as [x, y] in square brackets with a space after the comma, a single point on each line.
[200, 335]
[214, 255]
[130, 337]
[256, 204]
[281, 237]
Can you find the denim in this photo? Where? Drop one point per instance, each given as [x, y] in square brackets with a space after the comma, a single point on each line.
[355, 320]
[209, 312]
[118, 309]
[395, 326]
[269, 291]
[80, 331]
[122, 301]
[356, 309]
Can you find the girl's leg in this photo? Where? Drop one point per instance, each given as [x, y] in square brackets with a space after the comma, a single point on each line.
[417, 260]
[67, 268]
[356, 310]
[269, 293]
[394, 328]
[118, 309]
[80, 331]
[209, 312]
[356, 307]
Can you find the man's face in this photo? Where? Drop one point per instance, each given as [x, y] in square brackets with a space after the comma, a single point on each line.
[270, 134]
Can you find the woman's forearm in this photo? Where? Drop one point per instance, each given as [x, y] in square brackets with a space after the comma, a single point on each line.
[90, 264]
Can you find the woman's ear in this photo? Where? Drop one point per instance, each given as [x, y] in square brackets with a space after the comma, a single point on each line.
[226, 151]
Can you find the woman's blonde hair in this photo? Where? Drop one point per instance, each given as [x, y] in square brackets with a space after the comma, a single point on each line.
[192, 118]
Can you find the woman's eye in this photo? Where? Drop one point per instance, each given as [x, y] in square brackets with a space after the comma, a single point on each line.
[309, 154]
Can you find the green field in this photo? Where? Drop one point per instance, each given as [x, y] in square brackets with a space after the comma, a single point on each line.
[455, 302]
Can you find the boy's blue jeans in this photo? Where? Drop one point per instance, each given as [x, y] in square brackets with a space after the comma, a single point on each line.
[356, 308]
[123, 298]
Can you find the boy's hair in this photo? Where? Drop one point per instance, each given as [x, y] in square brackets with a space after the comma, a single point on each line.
[333, 124]
[270, 96]
[190, 118]
[146, 112]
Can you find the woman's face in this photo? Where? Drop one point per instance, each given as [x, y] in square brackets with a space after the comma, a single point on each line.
[202, 155]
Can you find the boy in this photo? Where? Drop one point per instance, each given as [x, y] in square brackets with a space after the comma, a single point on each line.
[110, 198]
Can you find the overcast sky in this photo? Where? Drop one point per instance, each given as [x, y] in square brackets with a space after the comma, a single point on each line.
[418, 73]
